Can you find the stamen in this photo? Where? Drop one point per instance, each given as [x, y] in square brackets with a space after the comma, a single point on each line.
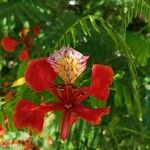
[70, 95]
[68, 106]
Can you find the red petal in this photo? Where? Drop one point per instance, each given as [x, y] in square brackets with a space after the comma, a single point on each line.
[101, 111]
[82, 93]
[102, 77]
[36, 30]
[93, 116]
[24, 55]
[30, 115]
[54, 106]
[68, 63]
[84, 113]
[73, 119]
[65, 127]
[9, 44]
[39, 74]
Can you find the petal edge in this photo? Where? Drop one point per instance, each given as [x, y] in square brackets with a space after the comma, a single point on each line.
[39, 74]
[9, 44]
[102, 77]
[65, 126]
[29, 115]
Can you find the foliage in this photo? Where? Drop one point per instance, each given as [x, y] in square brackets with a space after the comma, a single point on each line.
[112, 32]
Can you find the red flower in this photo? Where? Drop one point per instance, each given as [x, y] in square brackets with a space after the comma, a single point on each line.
[68, 64]
[26, 38]
[9, 44]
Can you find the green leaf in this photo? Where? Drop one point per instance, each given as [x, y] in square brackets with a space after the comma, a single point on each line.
[139, 46]
[73, 36]
[127, 99]
[94, 24]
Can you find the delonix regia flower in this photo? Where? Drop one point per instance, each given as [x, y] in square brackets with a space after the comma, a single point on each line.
[26, 38]
[68, 64]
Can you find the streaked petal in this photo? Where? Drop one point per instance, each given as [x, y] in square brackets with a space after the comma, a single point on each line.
[66, 123]
[9, 44]
[81, 94]
[39, 74]
[29, 115]
[72, 94]
[93, 116]
[102, 77]
[68, 63]
[53, 106]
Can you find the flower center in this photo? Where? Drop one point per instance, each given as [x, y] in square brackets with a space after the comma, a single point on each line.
[68, 106]
[69, 95]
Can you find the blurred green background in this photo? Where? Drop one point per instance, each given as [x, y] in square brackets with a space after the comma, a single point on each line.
[111, 32]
